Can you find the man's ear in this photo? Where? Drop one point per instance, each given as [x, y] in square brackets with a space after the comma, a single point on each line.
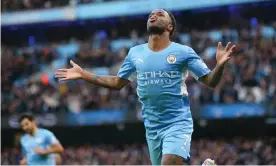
[170, 27]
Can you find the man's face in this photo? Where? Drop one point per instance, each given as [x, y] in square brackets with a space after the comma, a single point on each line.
[159, 21]
[27, 125]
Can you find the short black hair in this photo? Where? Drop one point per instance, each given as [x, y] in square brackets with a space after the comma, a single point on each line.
[173, 22]
[26, 116]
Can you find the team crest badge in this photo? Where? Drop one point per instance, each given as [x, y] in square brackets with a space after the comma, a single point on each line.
[171, 59]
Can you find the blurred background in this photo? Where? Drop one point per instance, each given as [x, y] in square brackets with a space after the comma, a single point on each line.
[234, 124]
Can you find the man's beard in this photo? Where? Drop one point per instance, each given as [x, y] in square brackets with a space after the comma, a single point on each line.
[156, 30]
[29, 131]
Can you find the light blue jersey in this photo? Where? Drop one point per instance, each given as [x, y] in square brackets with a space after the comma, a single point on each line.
[162, 92]
[42, 139]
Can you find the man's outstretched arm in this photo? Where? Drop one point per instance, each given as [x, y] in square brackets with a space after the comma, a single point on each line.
[212, 79]
[223, 55]
[76, 72]
[113, 82]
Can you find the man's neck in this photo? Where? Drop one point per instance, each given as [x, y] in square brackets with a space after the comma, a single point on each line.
[34, 131]
[158, 42]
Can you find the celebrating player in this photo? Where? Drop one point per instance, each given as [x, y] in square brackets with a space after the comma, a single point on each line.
[39, 146]
[161, 67]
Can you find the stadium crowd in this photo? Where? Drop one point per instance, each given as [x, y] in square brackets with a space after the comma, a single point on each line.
[237, 151]
[16, 5]
[249, 77]
[42, 96]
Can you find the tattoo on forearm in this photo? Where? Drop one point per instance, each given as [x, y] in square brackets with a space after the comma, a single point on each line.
[112, 82]
[108, 82]
[215, 76]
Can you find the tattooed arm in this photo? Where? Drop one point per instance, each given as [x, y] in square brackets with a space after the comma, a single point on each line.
[113, 82]
[213, 78]
[222, 57]
[76, 72]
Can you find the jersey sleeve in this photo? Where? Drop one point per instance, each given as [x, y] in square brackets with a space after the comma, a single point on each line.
[127, 70]
[51, 138]
[196, 65]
